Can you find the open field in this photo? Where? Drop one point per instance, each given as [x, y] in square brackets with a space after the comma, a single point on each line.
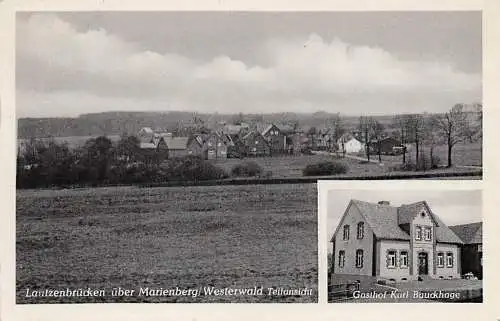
[292, 165]
[221, 236]
[462, 155]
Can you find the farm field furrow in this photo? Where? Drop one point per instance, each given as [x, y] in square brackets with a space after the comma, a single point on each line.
[222, 236]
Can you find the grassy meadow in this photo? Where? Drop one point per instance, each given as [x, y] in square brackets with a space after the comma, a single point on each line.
[129, 237]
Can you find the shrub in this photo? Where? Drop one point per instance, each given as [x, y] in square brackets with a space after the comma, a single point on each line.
[192, 168]
[325, 168]
[247, 169]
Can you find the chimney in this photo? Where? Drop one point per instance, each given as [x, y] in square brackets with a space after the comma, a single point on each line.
[384, 203]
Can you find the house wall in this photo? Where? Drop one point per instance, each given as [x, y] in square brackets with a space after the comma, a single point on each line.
[276, 140]
[427, 246]
[177, 153]
[352, 146]
[447, 272]
[352, 218]
[256, 145]
[398, 272]
[194, 149]
[215, 148]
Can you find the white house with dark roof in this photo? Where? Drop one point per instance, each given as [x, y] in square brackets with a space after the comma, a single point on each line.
[399, 243]
[349, 144]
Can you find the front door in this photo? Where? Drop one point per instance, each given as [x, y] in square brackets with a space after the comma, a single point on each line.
[423, 266]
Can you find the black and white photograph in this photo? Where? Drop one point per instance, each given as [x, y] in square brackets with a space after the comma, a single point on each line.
[405, 246]
[171, 157]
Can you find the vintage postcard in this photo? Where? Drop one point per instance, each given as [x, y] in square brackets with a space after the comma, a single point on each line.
[231, 153]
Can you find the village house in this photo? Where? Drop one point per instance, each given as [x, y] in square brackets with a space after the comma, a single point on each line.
[388, 146]
[472, 250]
[215, 146]
[181, 146]
[255, 144]
[154, 149]
[275, 139]
[347, 143]
[395, 243]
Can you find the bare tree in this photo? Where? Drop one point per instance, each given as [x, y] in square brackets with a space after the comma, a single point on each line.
[365, 127]
[415, 128]
[431, 137]
[451, 125]
[336, 129]
[377, 130]
[400, 122]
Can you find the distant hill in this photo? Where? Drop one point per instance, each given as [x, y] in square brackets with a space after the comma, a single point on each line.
[116, 123]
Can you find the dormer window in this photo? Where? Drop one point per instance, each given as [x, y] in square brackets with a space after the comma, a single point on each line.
[361, 230]
[422, 214]
[346, 233]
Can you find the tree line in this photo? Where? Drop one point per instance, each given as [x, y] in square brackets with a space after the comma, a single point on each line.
[42, 163]
[424, 132]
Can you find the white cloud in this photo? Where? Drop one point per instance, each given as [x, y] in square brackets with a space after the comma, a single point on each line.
[60, 68]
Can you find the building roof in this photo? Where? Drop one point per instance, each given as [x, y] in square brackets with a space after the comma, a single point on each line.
[268, 128]
[407, 212]
[382, 219]
[179, 143]
[471, 233]
[250, 134]
[385, 221]
[232, 129]
[345, 138]
[146, 130]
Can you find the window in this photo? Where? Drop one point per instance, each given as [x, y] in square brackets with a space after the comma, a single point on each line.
[391, 259]
[341, 258]
[449, 259]
[346, 232]
[256, 142]
[403, 259]
[440, 259]
[361, 230]
[359, 258]
[427, 233]
[418, 233]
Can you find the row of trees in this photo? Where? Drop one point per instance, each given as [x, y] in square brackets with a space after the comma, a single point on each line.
[426, 131]
[100, 162]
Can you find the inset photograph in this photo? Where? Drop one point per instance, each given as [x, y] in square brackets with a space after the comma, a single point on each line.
[404, 246]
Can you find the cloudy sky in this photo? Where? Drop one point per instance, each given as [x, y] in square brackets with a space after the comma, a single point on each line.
[352, 63]
[453, 207]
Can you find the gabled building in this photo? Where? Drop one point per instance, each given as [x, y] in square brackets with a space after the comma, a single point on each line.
[275, 139]
[155, 149]
[472, 250]
[255, 144]
[177, 146]
[347, 143]
[398, 243]
[388, 146]
[215, 146]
